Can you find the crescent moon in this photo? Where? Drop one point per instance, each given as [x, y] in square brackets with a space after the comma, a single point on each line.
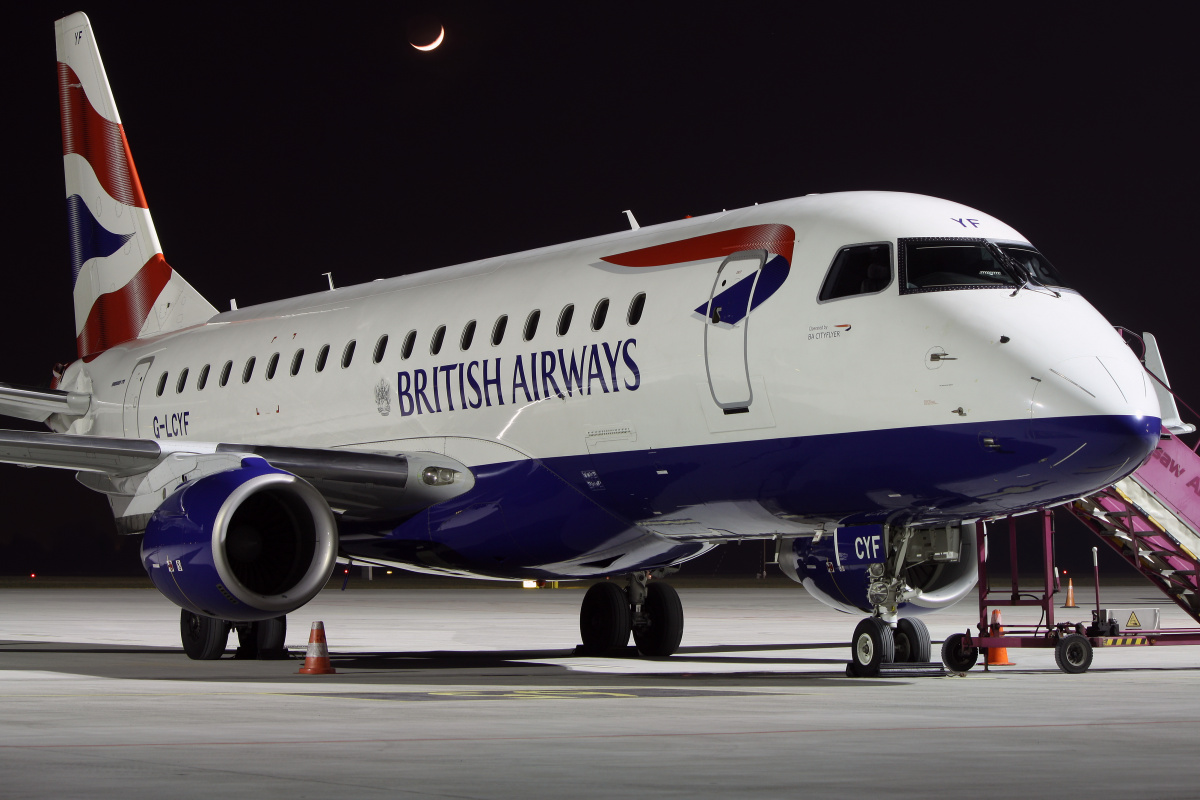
[427, 47]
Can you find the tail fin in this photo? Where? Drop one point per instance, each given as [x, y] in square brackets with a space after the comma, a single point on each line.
[124, 288]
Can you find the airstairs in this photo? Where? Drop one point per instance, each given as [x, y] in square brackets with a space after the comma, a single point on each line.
[1151, 518]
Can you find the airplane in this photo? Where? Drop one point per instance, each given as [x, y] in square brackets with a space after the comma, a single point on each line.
[859, 377]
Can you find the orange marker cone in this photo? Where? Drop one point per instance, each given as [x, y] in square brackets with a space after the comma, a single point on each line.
[316, 661]
[1070, 594]
[998, 656]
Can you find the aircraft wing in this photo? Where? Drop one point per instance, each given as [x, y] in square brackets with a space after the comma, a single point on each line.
[138, 473]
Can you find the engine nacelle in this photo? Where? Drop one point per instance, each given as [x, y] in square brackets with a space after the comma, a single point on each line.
[245, 544]
[842, 568]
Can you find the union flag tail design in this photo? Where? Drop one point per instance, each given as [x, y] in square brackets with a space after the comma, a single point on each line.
[124, 288]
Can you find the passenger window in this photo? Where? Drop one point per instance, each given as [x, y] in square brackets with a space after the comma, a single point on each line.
[564, 319]
[380, 349]
[635, 308]
[599, 314]
[348, 354]
[248, 370]
[272, 365]
[531, 323]
[435, 344]
[182, 382]
[202, 381]
[225, 370]
[468, 336]
[407, 348]
[498, 329]
[162, 384]
[322, 357]
[297, 360]
[860, 269]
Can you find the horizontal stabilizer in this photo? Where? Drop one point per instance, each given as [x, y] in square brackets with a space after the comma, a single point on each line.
[27, 402]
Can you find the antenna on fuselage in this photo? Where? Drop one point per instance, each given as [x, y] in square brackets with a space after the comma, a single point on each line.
[633, 223]
[329, 276]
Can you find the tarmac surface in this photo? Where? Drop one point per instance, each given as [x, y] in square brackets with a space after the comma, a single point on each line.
[477, 693]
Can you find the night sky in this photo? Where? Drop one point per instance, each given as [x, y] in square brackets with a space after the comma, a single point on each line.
[277, 143]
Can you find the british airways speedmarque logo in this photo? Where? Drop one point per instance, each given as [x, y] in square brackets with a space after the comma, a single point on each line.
[744, 295]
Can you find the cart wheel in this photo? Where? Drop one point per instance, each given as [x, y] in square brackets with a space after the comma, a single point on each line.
[955, 657]
[1073, 654]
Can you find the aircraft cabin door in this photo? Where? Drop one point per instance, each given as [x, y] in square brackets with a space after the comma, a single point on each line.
[133, 394]
[725, 330]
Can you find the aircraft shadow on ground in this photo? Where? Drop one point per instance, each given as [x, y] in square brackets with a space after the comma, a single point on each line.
[470, 659]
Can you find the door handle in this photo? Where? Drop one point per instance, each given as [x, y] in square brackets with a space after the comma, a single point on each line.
[716, 314]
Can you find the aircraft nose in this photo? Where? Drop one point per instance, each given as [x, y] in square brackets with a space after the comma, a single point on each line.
[1094, 385]
[1098, 413]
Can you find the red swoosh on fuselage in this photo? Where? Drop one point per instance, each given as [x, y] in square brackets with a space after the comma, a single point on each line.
[773, 238]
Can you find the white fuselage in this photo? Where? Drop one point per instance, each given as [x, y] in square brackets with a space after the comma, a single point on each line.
[852, 365]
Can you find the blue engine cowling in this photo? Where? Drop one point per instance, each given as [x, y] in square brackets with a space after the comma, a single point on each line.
[835, 569]
[246, 544]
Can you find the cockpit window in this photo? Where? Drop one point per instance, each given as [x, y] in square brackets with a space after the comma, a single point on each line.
[930, 265]
[858, 269]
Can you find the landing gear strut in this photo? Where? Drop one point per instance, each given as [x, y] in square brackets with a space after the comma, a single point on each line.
[651, 611]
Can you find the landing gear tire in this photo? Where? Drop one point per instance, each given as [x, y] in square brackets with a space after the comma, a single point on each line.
[1073, 654]
[912, 641]
[873, 645]
[953, 655]
[263, 639]
[204, 638]
[604, 619]
[663, 628]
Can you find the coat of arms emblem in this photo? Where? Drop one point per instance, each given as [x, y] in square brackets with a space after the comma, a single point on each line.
[383, 397]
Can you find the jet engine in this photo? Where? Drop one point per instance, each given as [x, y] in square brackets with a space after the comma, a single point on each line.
[245, 544]
[856, 569]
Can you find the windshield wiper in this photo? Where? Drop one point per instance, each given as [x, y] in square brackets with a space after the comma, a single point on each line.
[1023, 275]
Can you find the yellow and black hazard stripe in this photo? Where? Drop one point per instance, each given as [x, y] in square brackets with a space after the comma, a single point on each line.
[1126, 640]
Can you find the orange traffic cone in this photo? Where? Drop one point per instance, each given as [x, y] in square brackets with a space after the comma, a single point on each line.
[998, 656]
[316, 661]
[1070, 594]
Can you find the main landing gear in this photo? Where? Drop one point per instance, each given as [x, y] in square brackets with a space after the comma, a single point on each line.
[876, 643]
[651, 611]
[205, 638]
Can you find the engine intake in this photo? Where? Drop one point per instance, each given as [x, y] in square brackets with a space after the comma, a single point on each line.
[245, 544]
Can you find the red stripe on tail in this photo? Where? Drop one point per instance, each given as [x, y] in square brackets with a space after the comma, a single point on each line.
[118, 316]
[778, 239]
[101, 141]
